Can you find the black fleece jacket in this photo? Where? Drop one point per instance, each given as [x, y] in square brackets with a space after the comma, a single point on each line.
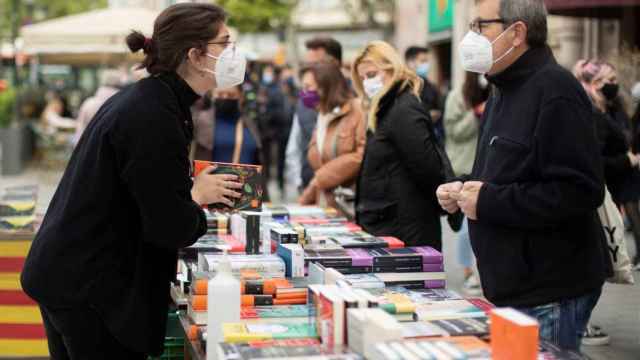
[109, 239]
[538, 239]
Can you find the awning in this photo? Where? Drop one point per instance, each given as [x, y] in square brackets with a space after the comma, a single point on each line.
[92, 37]
[591, 8]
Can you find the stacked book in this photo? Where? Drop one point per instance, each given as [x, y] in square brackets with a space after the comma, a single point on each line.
[18, 212]
[414, 267]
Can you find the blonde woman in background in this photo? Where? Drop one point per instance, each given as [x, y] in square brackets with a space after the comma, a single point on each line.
[401, 168]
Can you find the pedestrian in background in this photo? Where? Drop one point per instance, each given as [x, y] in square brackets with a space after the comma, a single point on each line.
[463, 111]
[298, 170]
[337, 144]
[401, 167]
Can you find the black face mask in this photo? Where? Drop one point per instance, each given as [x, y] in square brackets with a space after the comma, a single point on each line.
[227, 108]
[610, 91]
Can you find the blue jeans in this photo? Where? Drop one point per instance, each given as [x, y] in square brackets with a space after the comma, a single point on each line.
[563, 323]
[465, 254]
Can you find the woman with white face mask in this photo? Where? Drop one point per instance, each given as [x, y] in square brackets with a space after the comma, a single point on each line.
[401, 167]
[101, 264]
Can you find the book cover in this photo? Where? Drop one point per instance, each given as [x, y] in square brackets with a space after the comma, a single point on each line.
[249, 175]
[281, 349]
[268, 312]
[240, 332]
[514, 335]
[446, 310]
[395, 257]
[331, 317]
[410, 276]
[463, 327]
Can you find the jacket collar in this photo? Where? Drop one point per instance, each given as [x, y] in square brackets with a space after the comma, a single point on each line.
[521, 70]
[186, 96]
[388, 99]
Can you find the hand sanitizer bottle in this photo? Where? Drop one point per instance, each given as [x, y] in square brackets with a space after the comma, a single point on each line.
[223, 305]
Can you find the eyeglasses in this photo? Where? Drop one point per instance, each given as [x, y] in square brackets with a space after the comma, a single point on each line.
[224, 44]
[477, 25]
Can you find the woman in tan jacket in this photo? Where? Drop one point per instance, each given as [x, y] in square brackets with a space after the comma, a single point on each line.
[337, 145]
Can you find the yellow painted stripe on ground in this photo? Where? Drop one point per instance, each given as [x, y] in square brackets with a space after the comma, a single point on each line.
[10, 281]
[10, 248]
[16, 348]
[13, 314]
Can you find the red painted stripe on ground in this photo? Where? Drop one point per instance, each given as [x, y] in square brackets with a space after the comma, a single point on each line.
[22, 331]
[11, 264]
[15, 297]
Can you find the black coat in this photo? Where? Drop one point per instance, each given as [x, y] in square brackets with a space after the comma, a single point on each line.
[538, 238]
[623, 180]
[123, 207]
[400, 173]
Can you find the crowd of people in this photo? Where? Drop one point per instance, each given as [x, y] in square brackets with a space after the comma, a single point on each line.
[524, 149]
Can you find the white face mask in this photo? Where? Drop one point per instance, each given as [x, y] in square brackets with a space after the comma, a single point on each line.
[229, 69]
[476, 52]
[372, 86]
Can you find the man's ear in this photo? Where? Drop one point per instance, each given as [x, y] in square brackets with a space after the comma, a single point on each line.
[520, 31]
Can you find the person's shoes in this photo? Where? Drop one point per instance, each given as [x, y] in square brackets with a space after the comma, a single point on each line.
[471, 286]
[594, 336]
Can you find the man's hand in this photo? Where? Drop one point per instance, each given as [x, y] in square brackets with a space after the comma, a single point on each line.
[219, 188]
[447, 196]
[467, 199]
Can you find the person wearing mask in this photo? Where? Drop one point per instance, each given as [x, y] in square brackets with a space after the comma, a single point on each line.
[110, 82]
[417, 59]
[298, 170]
[101, 264]
[274, 123]
[463, 110]
[337, 144]
[228, 136]
[401, 169]
[537, 181]
[621, 164]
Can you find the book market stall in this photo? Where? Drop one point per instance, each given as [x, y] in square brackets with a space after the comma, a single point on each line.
[297, 282]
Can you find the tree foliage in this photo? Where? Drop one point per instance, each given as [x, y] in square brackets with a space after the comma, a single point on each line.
[258, 15]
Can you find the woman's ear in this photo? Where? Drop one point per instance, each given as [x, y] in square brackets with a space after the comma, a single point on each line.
[197, 58]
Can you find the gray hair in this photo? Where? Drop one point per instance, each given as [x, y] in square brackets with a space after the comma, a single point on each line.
[531, 12]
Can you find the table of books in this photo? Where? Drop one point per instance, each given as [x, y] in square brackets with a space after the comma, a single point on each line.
[316, 286]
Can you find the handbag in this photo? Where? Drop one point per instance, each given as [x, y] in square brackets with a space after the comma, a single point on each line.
[616, 246]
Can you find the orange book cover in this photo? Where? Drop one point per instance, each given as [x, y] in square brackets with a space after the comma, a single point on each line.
[514, 335]
[249, 175]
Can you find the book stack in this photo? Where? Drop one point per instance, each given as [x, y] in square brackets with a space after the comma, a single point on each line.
[459, 348]
[267, 266]
[217, 222]
[301, 349]
[415, 267]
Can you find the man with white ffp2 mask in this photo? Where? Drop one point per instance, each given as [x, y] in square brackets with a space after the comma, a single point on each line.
[537, 181]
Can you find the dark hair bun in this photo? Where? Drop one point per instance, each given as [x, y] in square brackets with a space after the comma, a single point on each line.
[136, 41]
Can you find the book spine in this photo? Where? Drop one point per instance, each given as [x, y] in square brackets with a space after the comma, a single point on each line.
[331, 262]
[405, 260]
[253, 234]
[397, 269]
[435, 284]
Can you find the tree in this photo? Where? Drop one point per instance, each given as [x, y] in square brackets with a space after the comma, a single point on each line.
[250, 16]
[30, 11]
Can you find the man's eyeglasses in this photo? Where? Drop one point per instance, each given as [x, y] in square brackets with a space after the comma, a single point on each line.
[478, 25]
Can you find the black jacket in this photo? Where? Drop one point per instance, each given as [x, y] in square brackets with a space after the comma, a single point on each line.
[122, 209]
[400, 173]
[614, 148]
[538, 239]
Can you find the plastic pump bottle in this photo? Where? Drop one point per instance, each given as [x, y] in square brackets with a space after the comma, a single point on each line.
[223, 304]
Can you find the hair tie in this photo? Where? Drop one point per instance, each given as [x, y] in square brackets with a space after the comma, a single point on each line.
[147, 44]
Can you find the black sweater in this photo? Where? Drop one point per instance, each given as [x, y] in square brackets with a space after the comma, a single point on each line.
[538, 238]
[122, 209]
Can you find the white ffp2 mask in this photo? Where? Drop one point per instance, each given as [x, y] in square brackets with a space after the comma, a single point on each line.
[230, 68]
[372, 86]
[476, 52]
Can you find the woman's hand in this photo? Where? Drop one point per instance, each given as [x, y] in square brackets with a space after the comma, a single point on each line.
[310, 194]
[211, 189]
